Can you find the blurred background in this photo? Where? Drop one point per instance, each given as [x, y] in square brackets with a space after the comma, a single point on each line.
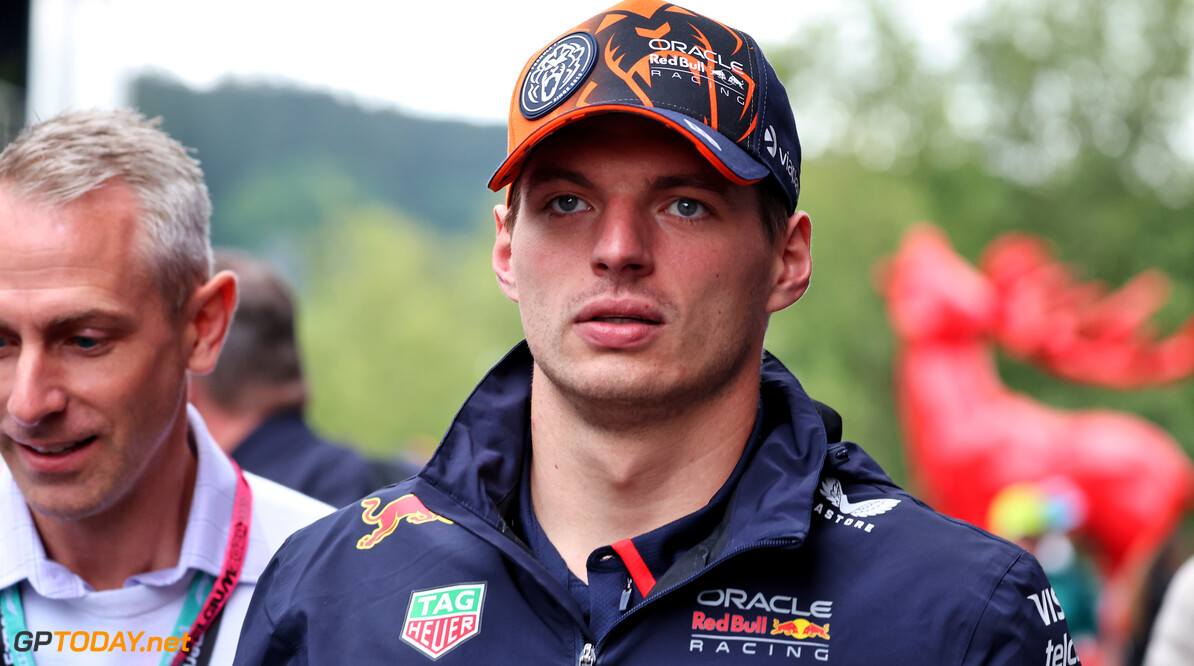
[350, 144]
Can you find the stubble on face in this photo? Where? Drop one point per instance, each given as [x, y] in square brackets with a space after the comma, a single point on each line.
[68, 275]
[713, 307]
[630, 389]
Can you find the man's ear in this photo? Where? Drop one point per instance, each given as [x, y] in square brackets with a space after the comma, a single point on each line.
[208, 316]
[501, 253]
[793, 264]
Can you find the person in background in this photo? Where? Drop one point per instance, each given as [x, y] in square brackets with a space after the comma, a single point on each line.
[639, 482]
[1040, 517]
[1172, 641]
[123, 525]
[253, 402]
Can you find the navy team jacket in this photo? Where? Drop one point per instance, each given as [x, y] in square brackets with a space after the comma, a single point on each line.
[819, 558]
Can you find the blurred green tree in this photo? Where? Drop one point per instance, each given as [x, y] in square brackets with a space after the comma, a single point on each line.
[1070, 120]
[397, 325]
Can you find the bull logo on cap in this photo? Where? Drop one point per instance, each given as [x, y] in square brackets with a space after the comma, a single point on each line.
[556, 73]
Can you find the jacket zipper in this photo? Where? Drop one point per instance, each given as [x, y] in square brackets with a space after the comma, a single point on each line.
[591, 650]
[588, 654]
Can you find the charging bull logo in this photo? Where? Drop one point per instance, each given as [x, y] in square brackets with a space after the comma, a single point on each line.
[801, 628]
[407, 507]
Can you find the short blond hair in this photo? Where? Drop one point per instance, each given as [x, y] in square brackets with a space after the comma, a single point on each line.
[59, 160]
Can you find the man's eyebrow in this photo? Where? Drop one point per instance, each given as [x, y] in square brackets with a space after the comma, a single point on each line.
[545, 174]
[114, 321]
[95, 317]
[694, 180]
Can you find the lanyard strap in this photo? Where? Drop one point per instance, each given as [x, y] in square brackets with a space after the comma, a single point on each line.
[196, 618]
[12, 622]
[234, 559]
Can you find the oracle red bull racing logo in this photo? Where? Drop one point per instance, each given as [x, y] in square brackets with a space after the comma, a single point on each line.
[408, 508]
[737, 624]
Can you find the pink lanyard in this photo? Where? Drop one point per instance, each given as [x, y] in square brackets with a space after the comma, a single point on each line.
[234, 559]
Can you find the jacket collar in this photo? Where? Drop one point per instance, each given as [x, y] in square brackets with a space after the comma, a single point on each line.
[479, 462]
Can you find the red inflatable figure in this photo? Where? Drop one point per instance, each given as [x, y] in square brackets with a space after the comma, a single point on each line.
[1077, 330]
[968, 435]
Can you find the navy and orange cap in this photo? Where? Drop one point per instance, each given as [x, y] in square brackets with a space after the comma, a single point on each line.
[707, 81]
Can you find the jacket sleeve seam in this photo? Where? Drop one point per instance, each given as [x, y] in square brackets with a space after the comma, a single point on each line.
[293, 644]
[987, 605]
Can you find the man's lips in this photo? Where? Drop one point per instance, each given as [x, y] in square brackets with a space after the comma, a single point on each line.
[619, 312]
[623, 320]
[618, 324]
[58, 448]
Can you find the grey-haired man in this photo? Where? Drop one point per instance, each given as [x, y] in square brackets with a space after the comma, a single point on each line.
[125, 532]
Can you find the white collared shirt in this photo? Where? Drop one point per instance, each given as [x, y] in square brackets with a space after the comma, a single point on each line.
[55, 599]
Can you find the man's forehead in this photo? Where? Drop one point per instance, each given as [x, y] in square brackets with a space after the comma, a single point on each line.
[85, 246]
[112, 198]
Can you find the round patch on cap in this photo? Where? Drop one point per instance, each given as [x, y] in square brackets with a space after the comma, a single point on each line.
[556, 73]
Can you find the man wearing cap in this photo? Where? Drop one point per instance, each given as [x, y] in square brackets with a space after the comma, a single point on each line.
[639, 482]
[126, 535]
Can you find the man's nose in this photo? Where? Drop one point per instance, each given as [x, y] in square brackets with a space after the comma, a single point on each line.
[624, 243]
[35, 392]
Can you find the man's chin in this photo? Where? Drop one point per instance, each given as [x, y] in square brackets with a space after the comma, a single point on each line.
[622, 387]
[60, 502]
[65, 511]
[623, 394]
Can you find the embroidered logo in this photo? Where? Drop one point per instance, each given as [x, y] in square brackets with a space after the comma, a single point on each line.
[407, 507]
[439, 619]
[800, 628]
[769, 141]
[850, 514]
[556, 73]
[744, 624]
[782, 157]
[832, 490]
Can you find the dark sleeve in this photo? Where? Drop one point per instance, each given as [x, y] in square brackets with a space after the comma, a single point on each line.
[262, 640]
[1023, 622]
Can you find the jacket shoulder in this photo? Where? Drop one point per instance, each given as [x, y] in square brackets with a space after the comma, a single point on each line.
[362, 537]
[992, 595]
[904, 527]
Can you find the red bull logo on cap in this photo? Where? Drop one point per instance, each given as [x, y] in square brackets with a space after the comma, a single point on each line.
[408, 507]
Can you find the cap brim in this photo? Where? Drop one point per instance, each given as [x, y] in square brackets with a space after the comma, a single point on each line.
[730, 160]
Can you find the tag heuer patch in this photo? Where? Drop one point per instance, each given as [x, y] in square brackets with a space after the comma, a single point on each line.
[438, 620]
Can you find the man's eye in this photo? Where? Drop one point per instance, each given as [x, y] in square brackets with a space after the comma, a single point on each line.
[568, 204]
[686, 208]
[85, 343]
